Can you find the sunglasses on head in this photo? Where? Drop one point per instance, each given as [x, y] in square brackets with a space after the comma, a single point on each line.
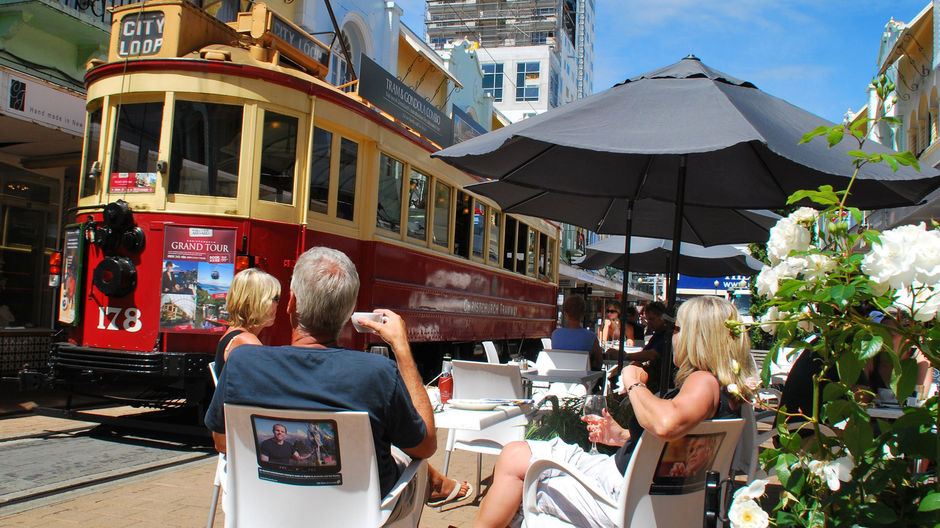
[612, 311]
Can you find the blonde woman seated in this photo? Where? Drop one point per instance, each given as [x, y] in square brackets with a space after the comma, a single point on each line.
[252, 306]
[710, 356]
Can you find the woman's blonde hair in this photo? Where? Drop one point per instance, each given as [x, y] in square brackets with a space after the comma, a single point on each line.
[250, 296]
[709, 337]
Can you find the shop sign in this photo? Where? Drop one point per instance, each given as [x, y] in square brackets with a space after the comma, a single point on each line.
[133, 182]
[72, 263]
[198, 265]
[37, 101]
[391, 95]
[141, 34]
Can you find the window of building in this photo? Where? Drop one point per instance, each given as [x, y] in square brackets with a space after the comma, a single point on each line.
[205, 149]
[388, 213]
[320, 170]
[137, 139]
[540, 37]
[493, 80]
[441, 214]
[278, 158]
[479, 221]
[348, 164]
[418, 205]
[552, 87]
[493, 217]
[92, 141]
[527, 81]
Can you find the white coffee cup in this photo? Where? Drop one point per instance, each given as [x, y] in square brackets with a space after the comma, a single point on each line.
[374, 316]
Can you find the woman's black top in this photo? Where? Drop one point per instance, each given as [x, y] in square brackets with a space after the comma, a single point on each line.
[622, 456]
[220, 350]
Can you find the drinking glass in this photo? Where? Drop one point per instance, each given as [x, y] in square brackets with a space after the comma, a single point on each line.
[594, 405]
[380, 350]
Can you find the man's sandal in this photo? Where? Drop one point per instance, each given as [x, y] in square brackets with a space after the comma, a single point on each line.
[453, 497]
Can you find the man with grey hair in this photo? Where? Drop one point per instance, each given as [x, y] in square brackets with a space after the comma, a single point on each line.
[313, 373]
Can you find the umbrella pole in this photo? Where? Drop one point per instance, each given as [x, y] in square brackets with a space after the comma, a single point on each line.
[628, 228]
[665, 378]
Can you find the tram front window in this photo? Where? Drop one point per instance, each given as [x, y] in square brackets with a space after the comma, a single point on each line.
[205, 149]
[320, 170]
[348, 162]
[417, 205]
[278, 158]
[92, 138]
[388, 213]
[137, 139]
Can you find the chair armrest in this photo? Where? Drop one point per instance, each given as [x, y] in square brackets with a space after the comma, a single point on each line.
[418, 466]
[530, 486]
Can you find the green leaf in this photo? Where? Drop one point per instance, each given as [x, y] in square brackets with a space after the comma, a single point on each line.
[869, 348]
[836, 409]
[850, 366]
[872, 237]
[835, 135]
[818, 131]
[890, 120]
[860, 154]
[906, 158]
[858, 436]
[892, 162]
[930, 502]
[905, 383]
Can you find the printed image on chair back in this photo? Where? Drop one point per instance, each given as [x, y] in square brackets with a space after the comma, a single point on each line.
[683, 464]
[298, 452]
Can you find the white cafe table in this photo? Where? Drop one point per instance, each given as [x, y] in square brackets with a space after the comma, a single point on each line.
[885, 413]
[452, 418]
[584, 377]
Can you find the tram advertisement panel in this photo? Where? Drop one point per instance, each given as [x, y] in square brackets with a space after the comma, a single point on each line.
[198, 264]
[71, 286]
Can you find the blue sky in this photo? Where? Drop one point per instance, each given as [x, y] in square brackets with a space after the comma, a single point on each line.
[817, 54]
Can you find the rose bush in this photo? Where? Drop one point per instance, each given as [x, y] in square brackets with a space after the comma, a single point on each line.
[826, 275]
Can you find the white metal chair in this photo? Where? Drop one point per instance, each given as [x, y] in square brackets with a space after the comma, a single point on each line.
[340, 489]
[474, 379]
[549, 359]
[547, 342]
[492, 356]
[649, 497]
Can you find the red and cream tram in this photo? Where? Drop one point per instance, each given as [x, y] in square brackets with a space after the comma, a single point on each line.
[213, 153]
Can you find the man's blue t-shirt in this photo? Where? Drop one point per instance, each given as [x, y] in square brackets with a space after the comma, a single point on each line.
[324, 379]
[573, 339]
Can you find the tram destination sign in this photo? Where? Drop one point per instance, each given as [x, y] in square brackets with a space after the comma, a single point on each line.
[391, 95]
[141, 34]
[299, 40]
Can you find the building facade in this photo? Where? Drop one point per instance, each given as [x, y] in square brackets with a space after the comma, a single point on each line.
[535, 54]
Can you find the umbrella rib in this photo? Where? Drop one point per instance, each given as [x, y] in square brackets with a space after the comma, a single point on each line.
[524, 164]
[646, 173]
[520, 203]
[773, 176]
[603, 220]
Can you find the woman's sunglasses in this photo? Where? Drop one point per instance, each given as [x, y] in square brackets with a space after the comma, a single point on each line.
[612, 311]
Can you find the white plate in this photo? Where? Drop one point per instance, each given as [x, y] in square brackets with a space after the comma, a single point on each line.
[473, 405]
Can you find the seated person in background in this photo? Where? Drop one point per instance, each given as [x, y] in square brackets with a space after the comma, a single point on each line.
[610, 329]
[314, 374]
[656, 323]
[252, 306]
[573, 336]
[704, 351]
[637, 330]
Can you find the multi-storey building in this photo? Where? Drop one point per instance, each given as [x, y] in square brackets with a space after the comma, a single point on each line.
[535, 54]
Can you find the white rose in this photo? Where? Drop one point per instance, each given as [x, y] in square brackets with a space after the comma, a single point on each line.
[927, 256]
[834, 473]
[772, 315]
[805, 323]
[752, 491]
[818, 266]
[785, 237]
[891, 263]
[747, 514]
[804, 215]
[732, 388]
[767, 282]
[922, 302]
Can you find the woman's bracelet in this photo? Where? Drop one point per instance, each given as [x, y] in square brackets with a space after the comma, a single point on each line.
[635, 385]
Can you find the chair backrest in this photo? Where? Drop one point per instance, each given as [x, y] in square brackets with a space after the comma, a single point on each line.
[340, 488]
[492, 356]
[780, 368]
[215, 377]
[745, 455]
[474, 379]
[547, 342]
[653, 497]
[562, 360]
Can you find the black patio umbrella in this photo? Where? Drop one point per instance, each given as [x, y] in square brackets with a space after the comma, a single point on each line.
[686, 134]
[652, 255]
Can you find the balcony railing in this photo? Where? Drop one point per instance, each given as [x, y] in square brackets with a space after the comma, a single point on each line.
[95, 9]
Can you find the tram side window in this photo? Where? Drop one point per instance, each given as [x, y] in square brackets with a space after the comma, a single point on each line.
[550, 259]
[543, 249]
[493, 223]
[137, 140]
[521, 240]
[462, 225]
[320, 170]
[418, 205]
[205, 150]
[278, 158]
[441, 214]
[348, 161]
[530, 252]
[509, 244]
[388, 213]
[479, 219]
[92, 140]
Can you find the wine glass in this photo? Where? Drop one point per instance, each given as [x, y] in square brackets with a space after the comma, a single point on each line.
[593, 412]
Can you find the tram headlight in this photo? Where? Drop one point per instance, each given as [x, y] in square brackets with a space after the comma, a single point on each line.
[118, 229]
[115, 276]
